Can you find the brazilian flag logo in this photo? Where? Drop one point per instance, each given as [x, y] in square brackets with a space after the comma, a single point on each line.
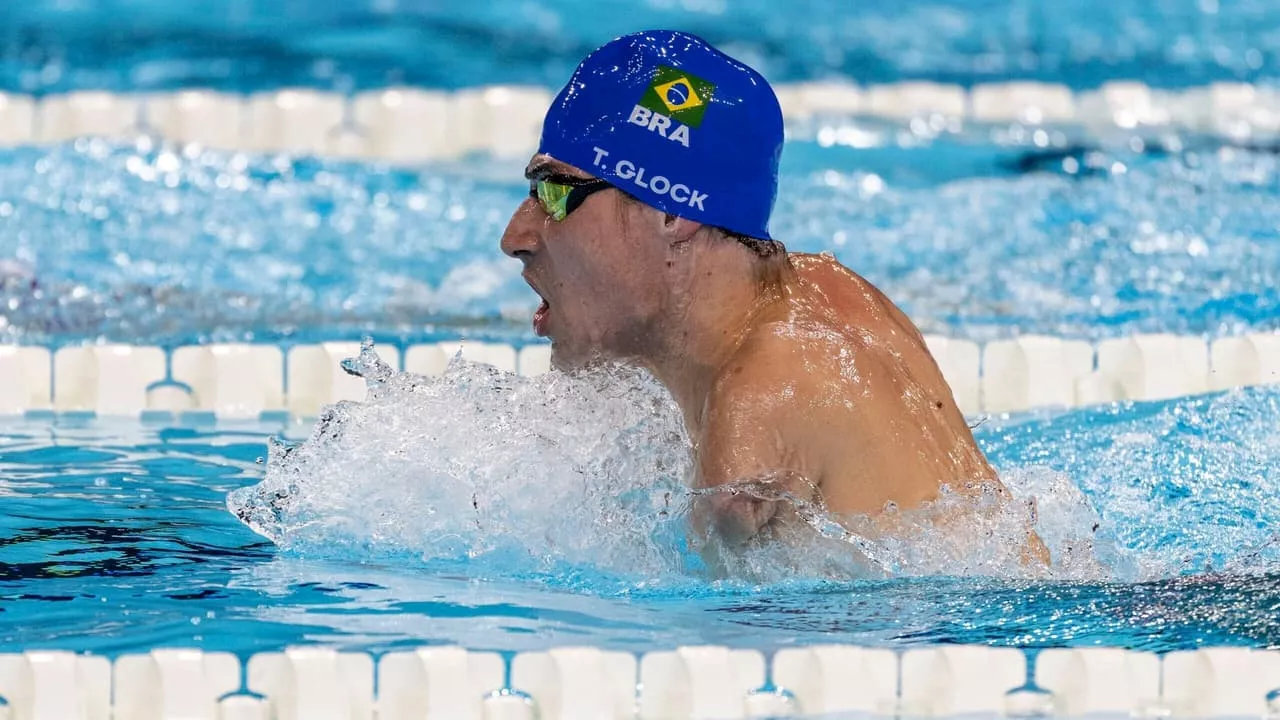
[678, 95]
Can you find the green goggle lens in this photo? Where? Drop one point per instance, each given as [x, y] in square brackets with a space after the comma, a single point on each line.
[554, 198]
[560, 199]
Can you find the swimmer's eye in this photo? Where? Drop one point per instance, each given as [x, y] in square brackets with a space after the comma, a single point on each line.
[562, 196]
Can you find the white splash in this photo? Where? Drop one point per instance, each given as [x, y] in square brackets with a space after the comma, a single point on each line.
[535, 472]
[565, 473]
[957, 535]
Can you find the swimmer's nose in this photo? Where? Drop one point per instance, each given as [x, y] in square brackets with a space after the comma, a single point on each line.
[521, 239]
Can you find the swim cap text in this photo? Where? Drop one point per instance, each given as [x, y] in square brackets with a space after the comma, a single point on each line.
[627, 170]
[659, 123]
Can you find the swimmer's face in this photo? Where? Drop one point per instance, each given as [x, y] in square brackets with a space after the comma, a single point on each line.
[599, 271]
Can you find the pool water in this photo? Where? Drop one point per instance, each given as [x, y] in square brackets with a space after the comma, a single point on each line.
[246, 45]
[972, 238]
[116, 537]
[510, 513]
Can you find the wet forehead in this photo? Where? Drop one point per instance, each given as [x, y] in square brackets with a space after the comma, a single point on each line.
[545, 165]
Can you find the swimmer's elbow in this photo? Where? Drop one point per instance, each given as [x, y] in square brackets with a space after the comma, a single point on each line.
[737, 517]
[1036, 552]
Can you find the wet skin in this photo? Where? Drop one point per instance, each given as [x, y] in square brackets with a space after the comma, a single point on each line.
[817, 383]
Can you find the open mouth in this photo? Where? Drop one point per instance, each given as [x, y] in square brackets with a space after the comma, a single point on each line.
[540, 317]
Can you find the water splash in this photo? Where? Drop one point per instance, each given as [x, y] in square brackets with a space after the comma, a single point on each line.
[1186, 486]
[532, 475]
[558, 474]
[983, 534]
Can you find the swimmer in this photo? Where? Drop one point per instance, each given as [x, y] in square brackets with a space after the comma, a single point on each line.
[646, 234]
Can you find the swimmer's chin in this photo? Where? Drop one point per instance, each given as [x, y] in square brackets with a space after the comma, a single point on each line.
[564, 360]
[571, 362]
[567, 356]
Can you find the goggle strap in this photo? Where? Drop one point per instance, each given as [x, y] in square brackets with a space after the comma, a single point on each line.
[580, 193]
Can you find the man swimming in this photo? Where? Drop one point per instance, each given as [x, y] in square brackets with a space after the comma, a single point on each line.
[646, 236]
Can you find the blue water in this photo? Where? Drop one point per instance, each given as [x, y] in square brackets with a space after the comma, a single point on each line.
[247, 45]
[116, 538]
[971, 238]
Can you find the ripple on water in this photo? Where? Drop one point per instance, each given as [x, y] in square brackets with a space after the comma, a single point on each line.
[120, 556]
[165, 244]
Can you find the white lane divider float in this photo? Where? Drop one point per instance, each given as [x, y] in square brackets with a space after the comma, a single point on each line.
[959, 680]
[503, 120]
[170, 683]
[437, 682]
[105, 379]
[501, 356]
[410, 125]
[314, 684]
[233, 381]
[912, 99]
[1245, 360]
[1026, 102]
[87, 113]
[699, 682]
[1033, 371]
[17, 120]
[297, 121]
[243, 381]
[405, 124]
[578, 683]
[28, 379]
[1155, 367]
[201, 117]
[839, 679]
[316, 377]
[55, 685]
[803, 100]
[690, 683]
[1101, 681]
[1221, 682]
[534, 360]
[1125, 105]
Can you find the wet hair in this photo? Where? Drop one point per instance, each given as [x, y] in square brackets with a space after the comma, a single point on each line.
[773, 264]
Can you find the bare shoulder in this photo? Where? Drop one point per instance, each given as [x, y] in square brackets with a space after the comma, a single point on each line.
[813, 355]
[784, 358]
[792, 374]
[850, 299]
[758, 407]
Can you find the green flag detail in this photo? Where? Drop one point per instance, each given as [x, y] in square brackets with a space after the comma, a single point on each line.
[678, 95]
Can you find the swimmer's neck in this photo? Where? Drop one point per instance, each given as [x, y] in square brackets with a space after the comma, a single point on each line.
[715, 301]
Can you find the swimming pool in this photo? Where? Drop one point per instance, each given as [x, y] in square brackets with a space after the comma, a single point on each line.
[977, 240]
[513, 513]
[248, 45]
[118, 539]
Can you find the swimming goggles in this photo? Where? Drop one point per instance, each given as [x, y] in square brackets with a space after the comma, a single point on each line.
[563, 195]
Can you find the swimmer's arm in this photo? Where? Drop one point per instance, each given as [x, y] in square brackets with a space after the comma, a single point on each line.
[745, 449]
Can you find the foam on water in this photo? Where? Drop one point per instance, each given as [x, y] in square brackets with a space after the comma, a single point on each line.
[1187, 486]
[531, 475]
[557, 474]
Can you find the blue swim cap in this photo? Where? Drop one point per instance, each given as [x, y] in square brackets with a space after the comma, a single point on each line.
[676, 123]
